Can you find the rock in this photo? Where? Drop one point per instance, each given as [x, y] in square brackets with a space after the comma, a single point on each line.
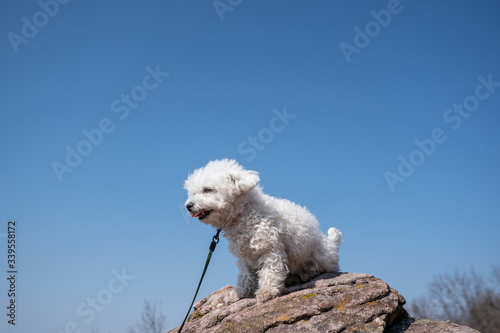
[428, 326]
[332, 302]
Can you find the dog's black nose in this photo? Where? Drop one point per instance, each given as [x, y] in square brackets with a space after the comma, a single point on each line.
[189, 206]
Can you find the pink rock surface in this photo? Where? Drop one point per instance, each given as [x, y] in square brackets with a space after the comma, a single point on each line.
[332, 302]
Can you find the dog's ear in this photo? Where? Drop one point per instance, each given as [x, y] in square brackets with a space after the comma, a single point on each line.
[245, 180]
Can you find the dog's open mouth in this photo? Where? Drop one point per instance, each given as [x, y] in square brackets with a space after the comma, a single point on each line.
[202, 214]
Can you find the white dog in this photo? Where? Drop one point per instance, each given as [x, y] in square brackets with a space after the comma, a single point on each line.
[273, 239]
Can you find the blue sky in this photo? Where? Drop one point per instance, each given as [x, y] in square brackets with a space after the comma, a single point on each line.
[380, 117]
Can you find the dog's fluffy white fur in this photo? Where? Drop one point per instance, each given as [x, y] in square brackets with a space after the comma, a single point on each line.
[274, 240]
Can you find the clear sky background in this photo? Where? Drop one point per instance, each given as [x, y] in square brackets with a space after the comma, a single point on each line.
[356, 102]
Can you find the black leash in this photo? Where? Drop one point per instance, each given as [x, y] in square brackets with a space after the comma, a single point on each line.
[215, 240]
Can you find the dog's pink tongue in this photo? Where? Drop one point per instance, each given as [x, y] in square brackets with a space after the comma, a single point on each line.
[197, 214]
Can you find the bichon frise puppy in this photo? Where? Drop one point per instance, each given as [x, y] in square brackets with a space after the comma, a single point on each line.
[273, 239]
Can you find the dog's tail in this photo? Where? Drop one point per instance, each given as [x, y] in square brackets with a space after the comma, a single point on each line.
[335, 236]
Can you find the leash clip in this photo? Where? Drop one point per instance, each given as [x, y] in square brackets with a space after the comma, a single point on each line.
[215, 240]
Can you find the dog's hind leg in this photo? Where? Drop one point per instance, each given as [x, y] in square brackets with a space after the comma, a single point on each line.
[327, 255]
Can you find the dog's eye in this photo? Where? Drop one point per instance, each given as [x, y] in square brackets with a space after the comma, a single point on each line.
[207, 190]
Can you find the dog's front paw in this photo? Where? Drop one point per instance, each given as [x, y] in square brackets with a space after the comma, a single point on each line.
[265, 294]
[232, 297]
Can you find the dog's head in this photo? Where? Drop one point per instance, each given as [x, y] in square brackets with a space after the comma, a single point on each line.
[215, 191]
